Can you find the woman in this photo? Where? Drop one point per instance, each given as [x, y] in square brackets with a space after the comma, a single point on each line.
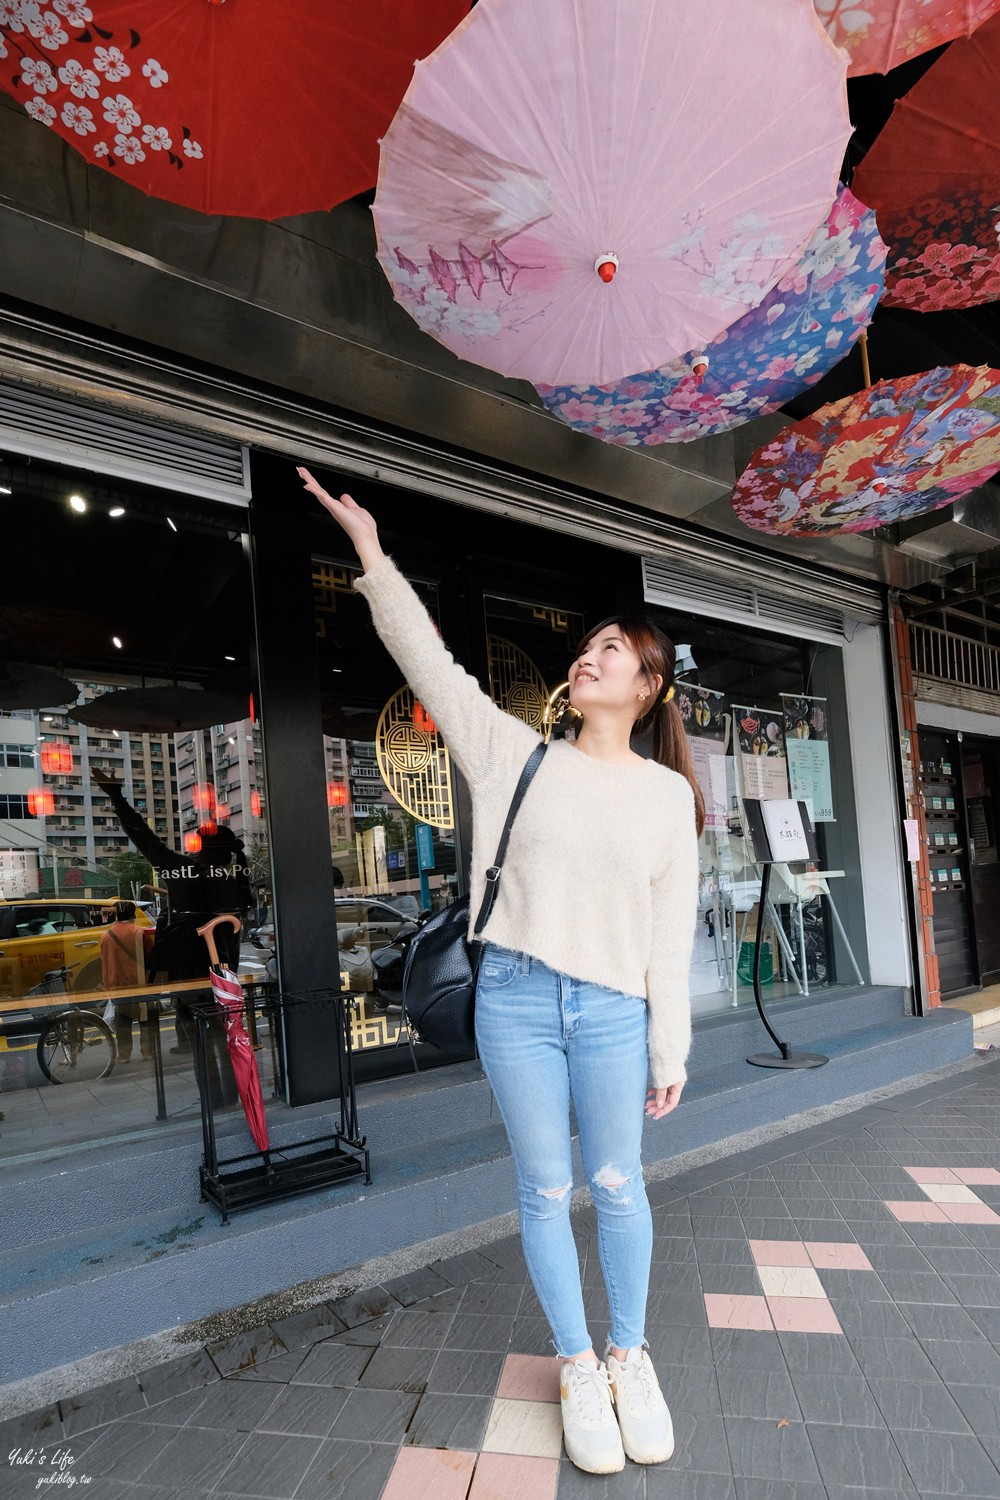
[583, 982]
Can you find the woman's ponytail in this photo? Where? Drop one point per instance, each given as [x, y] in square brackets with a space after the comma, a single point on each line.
[670, 748]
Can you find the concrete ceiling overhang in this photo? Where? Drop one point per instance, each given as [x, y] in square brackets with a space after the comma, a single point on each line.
[301, 306]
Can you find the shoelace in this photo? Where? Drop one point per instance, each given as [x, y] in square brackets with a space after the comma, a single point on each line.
[639, 1375]
[591, 1388]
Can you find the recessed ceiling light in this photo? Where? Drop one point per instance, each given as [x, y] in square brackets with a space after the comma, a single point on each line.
[116, 642]
[47, 718]
[230, 658]
[78, 503]
[171, 524]
[5, 490]
[116, 734]
[119, 510]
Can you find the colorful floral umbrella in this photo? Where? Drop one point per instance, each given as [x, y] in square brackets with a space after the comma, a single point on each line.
[571, 191]
[243, 108]
[881, 34]
[933, 179]
[897, 450]
[803, 327]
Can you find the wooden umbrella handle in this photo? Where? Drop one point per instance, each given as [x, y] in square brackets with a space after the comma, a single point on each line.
[208, 933]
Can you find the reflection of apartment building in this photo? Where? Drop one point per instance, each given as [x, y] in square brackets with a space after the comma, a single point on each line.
[226, 757]
[80, 830]
[367, 789]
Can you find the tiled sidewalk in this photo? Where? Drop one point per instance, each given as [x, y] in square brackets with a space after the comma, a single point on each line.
[824, 1315]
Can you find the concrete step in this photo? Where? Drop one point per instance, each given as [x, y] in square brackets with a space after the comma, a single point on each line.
[170, 1262]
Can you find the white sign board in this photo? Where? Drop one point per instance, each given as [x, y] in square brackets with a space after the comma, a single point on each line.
[785, 833]
[18, 873]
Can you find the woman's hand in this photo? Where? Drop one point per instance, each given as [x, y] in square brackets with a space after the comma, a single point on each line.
[359, 524]
[106, 780]
[660, 1102]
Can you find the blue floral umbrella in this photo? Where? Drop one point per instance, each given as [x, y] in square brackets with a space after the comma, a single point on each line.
[803, 327]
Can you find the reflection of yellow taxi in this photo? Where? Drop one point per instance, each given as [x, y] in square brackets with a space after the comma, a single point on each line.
[40, 936]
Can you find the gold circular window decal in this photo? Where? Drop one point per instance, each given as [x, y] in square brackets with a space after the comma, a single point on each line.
[414, 762]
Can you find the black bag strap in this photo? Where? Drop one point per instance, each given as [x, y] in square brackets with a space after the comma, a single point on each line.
[493, 873]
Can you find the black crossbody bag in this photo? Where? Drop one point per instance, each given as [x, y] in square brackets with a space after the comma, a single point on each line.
[442, 964]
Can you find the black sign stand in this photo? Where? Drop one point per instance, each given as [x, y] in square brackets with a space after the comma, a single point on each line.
[763, 855]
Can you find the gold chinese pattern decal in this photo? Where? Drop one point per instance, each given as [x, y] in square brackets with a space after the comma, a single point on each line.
[329, 580]
[556, 619]
[516, 685]
[414, 762]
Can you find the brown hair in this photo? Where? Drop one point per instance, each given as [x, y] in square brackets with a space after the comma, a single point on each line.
[657, 658]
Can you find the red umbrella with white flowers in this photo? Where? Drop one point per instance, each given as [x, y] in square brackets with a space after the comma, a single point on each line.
[245, 107]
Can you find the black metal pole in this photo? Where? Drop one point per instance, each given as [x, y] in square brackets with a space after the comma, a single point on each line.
[786, 1058]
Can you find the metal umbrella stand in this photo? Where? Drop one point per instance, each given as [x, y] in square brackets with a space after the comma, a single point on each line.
[275, 1169]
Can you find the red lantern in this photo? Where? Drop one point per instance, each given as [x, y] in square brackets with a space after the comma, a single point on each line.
[203, 797]
[253, 710]
[192, 842]
[255, 811]
[57, 758]
[422, 719]
[222, 811]
[336, 794]
[41, 804]
[209, 828]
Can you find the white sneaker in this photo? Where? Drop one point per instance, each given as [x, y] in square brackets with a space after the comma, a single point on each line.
[643, 1416]
[590, 1430]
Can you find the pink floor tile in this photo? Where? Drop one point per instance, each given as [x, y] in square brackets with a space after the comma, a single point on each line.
[829, 1256]
[529, 1377]
[803, 1315]
[984, 1176]
[726, 1310]
[511, 1476]
[932, 1174]
[779, 1253]
[430, 1474]
[970, 1213]
[920, 1213]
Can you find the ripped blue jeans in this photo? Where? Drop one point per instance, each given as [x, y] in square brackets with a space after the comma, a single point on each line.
[545, 1038]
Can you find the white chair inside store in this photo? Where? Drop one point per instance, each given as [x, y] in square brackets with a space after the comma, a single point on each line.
[803, 886]
[738, 897]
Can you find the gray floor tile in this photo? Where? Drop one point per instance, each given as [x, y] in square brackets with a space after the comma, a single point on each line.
[837, 1400]
[449, 1421]
[727, 1227]
[762, 1450]
[347, 1471]
[857, 1286]
[665, 1482]
[777, 1489]
[813, 1208]
[240, 1405]
[818, 1354]
[917, 1286]
[172, 1413]
[398, 1369]
[965, 1361]
[304, 1410]
[31, 1429]
[987, 1319]
[975, 1291]
[124, 1450]
[867, 1454]
[950, 1260]
[724, 1252]
[892, 1358]
[746, 1349]
[836, 1230]
[363, 1307]
[676, 1309]
[410, 1329]
[103, 1404]
[775, 1228]
[332, 1363]
[275, 1371]
[883, 1234]
[671, 1276]
[371, 1416]
[628, 1485]
[673, 1251]
[245, 1350]
[898, 1257]
[680, 1346]
[873, 1319]
[468, 1372]
[194, 1458]
[948, 1465]
[501, 1298]
[739, 1280]
[947, 1236]
[530, 1336]
[861, 1492]
[470, 1266]
[479, 1331]
[700, 1444]
[184, 1374]
[363, 1335]
[442, 1303]
[690, 1388]
[930, 1321]
[416, 1284]
[300, 1329]
[757, 1393]
[269, 1465]
[917, 1406]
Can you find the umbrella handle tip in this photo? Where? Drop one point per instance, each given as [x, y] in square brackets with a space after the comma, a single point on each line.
[606, 265]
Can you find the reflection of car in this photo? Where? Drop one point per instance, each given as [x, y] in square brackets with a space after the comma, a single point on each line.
[39, 936]
[366, 927]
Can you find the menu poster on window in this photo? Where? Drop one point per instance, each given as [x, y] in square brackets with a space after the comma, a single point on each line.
[704, 714]
[18, 873]
[763, 766]
[808, 751]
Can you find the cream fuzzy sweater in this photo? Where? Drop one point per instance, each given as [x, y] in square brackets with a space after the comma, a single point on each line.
[601, 875]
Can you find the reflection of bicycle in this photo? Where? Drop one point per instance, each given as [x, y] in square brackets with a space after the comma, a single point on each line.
[76, 1046]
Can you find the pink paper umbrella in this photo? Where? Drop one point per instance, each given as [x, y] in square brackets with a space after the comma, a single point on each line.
[574, 190]
[881, 34]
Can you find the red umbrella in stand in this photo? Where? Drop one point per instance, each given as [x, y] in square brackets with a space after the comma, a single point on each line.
[228, 995]
[245, 107]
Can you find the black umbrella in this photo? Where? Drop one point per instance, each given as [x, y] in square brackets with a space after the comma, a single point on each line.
[25, 686]
[152, 710]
